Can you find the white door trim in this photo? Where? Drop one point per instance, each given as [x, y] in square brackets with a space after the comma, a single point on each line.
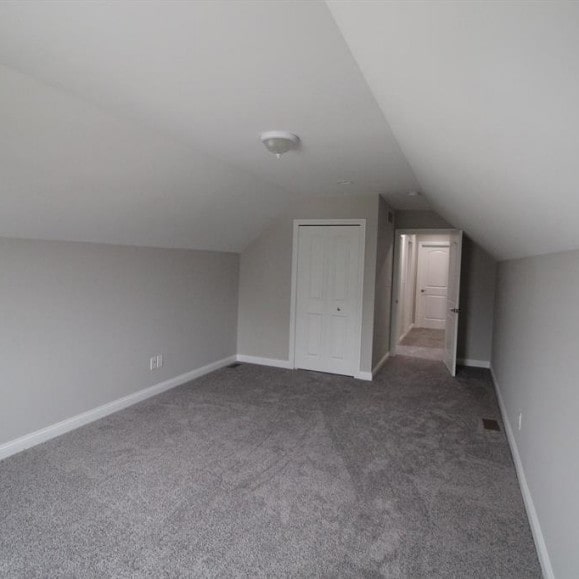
[434, 243]
[294, 280]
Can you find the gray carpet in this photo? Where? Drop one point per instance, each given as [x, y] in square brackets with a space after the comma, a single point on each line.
[418, 352]
[257, 471]
[424, 338]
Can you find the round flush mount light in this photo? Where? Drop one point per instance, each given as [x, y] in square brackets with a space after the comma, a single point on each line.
[413, 193]
[345, 182]
[279, 142]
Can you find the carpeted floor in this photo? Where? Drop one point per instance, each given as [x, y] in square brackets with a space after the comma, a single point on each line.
[422, 343]
[255, 471]
[424, 338]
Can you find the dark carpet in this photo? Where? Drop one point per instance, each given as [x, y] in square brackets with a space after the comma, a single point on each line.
[424, 338]
[255, 471]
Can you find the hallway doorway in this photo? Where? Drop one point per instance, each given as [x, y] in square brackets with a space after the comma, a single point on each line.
[425, 294]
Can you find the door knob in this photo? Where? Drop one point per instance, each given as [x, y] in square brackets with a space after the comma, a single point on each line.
[339, 309]
[422, 291]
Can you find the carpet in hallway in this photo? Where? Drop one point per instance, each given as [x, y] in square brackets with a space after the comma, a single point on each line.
[424, 338]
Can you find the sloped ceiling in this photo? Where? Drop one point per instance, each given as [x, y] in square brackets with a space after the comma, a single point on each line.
[483, 98]
[137, 122]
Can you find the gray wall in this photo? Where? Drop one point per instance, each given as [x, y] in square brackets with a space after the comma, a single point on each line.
[420, 220]
[477, 302]
[477, 288]
[536, 363]
[383, 291]
[265, 277]
[80, 321]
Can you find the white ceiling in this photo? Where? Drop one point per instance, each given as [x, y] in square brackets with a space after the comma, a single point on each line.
[138, 122]
[483, 98]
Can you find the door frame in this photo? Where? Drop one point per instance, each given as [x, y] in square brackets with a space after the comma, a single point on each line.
[404, 277]
[394, 315]
[419, 246]
[294, 283]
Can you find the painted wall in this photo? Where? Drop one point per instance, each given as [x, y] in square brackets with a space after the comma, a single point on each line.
[383, 284]
[477, 293]
[477, 302]
[420, 219]
[265, 277]
[79, 322]
[536, 364]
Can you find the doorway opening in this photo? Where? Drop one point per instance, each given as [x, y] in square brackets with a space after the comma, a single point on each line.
[425, 297]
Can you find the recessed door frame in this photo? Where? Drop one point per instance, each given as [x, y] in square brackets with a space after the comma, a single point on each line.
[294, 282]
[396, 286]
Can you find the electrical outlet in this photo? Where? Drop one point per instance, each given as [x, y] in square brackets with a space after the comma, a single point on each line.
[153, 363]
[159, 360]
[520, 422]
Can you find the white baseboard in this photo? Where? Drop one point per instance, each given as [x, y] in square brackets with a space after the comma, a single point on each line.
[29, 440]
[286, 364]
[473, 363]
[376, 368]
[540, 544]
[275, 363]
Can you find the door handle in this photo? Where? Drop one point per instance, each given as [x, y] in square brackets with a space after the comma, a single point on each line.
[339, 309]
[455, 310]
[422, 291]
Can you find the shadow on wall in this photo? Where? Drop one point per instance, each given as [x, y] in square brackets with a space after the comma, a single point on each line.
[477, 295]
[465, 298]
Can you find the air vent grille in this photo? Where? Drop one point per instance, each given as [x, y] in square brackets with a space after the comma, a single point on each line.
[490, 424]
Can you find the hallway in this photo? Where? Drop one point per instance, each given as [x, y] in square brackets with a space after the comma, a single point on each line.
[422, 343]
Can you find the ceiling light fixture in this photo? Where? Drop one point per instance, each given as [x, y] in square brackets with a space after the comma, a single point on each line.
[279, 142]
[345, 182]
[413, 193]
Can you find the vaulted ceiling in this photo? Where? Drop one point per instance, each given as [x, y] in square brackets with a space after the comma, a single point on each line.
[483, 98]
[137, 122]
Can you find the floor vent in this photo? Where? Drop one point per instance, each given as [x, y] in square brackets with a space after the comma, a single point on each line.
[490, 424]
[234, 365]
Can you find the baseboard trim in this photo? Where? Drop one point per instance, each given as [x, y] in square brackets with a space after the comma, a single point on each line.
[378, 366]
[273, 362]
[536, 530]
[473, 363]
[44, 434]
[287, 365]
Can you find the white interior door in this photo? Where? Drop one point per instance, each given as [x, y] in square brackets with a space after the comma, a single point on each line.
[329, 298]
[452, 301]
[432, 286]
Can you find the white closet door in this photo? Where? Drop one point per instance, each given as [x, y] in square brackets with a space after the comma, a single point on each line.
[329, 298]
